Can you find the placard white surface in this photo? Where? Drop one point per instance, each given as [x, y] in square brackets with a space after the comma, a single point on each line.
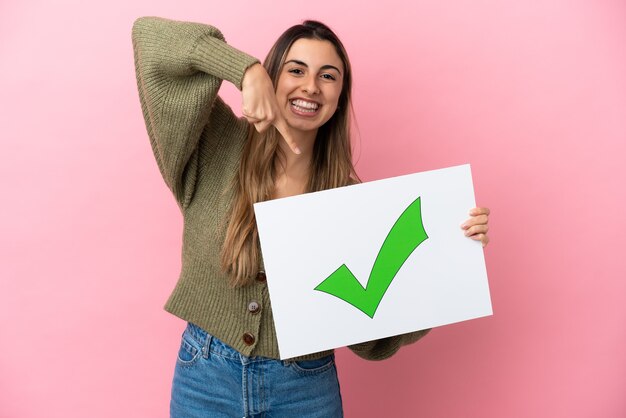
[305, 238]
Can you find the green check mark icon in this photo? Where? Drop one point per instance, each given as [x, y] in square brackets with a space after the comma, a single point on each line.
[404, 237]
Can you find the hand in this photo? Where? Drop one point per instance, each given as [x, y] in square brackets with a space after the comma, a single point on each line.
[260, 106]
[476, 227]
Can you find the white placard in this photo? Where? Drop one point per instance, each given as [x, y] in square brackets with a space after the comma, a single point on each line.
[307, 238]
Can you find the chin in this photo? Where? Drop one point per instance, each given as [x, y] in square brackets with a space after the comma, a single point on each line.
[304, 127]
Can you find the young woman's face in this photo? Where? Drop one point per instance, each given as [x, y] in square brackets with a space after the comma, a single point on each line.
[309, 84]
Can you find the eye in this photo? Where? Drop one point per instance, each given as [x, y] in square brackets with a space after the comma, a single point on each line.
[328, 76]
[296, 71]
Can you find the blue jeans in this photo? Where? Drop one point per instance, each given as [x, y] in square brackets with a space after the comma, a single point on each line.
[212, 379]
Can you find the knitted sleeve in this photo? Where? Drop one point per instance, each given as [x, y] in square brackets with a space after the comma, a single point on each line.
[179, 68]
[385, 347]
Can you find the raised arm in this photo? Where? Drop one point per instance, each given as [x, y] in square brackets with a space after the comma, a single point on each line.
[179, 68]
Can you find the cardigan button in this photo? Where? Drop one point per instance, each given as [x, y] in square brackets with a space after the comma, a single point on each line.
[260, 277]
[248, 338]
[254, 307]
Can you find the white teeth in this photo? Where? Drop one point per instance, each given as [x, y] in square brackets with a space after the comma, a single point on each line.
[305, 106]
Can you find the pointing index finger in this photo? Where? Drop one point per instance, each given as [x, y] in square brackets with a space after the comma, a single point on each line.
[285, 132]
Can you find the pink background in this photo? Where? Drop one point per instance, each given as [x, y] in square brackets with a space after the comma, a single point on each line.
[532, 95]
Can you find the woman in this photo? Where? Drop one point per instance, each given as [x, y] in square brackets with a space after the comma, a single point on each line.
[294, 139]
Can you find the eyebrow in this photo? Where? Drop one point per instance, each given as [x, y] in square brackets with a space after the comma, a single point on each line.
[323, 67]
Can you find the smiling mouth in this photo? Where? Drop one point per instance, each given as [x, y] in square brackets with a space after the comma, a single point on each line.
[303, 106]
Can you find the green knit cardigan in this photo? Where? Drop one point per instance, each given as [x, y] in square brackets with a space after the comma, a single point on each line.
[197, 142]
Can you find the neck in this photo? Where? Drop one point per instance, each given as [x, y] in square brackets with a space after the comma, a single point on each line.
[297, 165]
[293, 169]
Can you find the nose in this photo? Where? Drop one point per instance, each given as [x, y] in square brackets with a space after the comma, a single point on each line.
[310, 85]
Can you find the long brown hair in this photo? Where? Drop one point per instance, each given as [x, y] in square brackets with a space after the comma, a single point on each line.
[331, 163]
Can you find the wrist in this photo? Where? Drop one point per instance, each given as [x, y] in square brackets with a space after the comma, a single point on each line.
[252, 74]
